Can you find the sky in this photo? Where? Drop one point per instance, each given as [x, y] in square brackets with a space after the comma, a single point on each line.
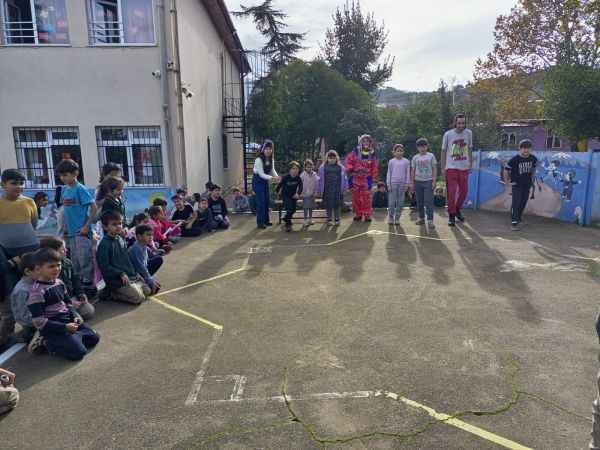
[430, 39]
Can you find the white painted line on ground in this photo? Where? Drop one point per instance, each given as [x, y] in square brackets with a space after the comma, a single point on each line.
[280, 399]
[201, 374]
[11, 352]
[514, 265]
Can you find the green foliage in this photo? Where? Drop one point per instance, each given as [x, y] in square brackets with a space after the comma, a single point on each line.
[354, 46]
[572, 100]
[301, 103]
[281, 47]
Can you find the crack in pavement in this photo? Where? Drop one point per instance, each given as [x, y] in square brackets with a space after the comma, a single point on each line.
[321, 441]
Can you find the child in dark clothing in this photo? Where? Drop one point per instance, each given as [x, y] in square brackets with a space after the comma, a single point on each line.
[188, 218]
[61, 326]
[145, 263]
[41, 201]
[380, 198]
[70, 278]
[290, 188]
[439, 201]
[218, 208]
[204, 217]
[521, 172]
[110, 195]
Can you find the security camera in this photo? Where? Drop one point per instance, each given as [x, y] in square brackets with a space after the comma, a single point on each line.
[187, 92]
[170, 65]
[156, 74]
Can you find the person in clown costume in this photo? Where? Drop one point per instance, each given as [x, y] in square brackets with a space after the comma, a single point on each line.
[361, 168]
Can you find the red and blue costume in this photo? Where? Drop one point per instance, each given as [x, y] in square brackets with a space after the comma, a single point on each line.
[361, 167]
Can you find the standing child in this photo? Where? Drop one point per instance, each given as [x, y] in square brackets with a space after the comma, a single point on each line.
[62, 327]
[264, 173]
[143, 261]
[380, 198]
[218, 208]
[398, 182]
[290, 189]
[310, 186]
[424, 174]
[110, 195]
[521, 172]
[79, 214]
[121, 278]
[332, 185]
[18, 220]
[361, 167]
[70, 278]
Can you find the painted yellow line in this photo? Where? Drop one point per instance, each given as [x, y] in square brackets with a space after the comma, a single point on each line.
[198, 283]
[202, 320]
[484, 434]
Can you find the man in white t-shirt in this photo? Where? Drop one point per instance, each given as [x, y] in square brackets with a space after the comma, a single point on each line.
[457, 161]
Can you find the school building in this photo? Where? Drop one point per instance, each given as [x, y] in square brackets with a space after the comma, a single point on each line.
[152, 85]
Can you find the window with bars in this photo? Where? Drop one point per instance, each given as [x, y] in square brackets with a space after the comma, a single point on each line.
[36, 22]
[39, 150]
[552, 141]
[225, 153]
[118, 22]
[137, 150]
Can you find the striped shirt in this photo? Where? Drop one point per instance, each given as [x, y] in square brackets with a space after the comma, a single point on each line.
[47, 304]
[18, 219]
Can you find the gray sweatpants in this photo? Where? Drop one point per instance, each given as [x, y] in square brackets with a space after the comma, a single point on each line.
[82, 256]
[424, 194]
[396, 195]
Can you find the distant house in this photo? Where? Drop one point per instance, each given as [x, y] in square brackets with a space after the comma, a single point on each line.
[540, 132]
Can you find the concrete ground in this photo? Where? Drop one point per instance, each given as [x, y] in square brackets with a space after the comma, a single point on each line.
[362, 328]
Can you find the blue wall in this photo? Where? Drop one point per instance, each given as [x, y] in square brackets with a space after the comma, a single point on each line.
[567, 185]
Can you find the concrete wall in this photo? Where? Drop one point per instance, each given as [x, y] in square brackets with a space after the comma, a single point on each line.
[201, 50]
[78, 85]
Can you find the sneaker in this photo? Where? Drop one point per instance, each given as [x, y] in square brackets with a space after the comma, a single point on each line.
[269, 224]
[430, 224]
[330, 223]
[35, 343]
[368, 219]
[337, 222]
[459, 215]
[357, 218]
[288, 227]
[515, 226]
[262, 227]
[391, 221]
[306, 222]
[311, 222]
[420, 222]
[451, 220]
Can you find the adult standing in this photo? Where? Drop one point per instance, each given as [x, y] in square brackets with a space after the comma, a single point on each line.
[457, 162]
[264, 173]
[361, 167]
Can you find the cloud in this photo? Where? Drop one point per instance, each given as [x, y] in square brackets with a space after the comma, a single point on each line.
[430, 39]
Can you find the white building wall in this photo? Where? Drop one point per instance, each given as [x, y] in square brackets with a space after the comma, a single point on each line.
[201, 49]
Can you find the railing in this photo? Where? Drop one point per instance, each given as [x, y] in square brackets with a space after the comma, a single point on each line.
[25, 32]
[106, 32]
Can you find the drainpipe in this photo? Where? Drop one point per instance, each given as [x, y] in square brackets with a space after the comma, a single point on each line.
[164, 90]
[181, 166]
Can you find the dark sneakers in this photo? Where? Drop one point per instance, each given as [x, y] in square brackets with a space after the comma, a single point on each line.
[451, 220]
[459, 215]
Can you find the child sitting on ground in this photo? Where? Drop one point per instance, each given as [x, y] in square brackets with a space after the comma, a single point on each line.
[185, 215]
[138, 219]
[122, 281]
[70, 278]
[20, 296]
[9, 395]
[439, 200]
[61, 326]
[218, 208]
[240, 202]
[144, 261]
[209, 187]
[204, 217]
[290, 188]
[380, 198]
[160, 236]
[172, 228]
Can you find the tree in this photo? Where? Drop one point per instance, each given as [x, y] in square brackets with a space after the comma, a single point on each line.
[281, 47]
[302, 102]
[446, 113]
[573, 101]
[354, 46]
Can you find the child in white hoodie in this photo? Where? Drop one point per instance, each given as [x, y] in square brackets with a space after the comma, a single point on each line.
[310, 186]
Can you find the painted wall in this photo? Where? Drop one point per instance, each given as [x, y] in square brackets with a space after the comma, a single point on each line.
[78, 86]
[567, 185]
[201, 53]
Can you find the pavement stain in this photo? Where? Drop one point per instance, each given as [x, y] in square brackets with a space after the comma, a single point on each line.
[295, 418]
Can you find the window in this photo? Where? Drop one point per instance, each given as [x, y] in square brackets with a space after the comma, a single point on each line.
[121, 22]
[508, 140]
[552, 141]
[35, 22]
[225, 153]
[138, 151]
[39, 150]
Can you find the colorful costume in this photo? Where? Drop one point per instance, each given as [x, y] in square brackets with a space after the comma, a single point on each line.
[361, 167]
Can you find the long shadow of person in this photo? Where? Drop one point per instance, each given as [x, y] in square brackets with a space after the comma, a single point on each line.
[400, 251]
[435, 255]
[484, 263]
